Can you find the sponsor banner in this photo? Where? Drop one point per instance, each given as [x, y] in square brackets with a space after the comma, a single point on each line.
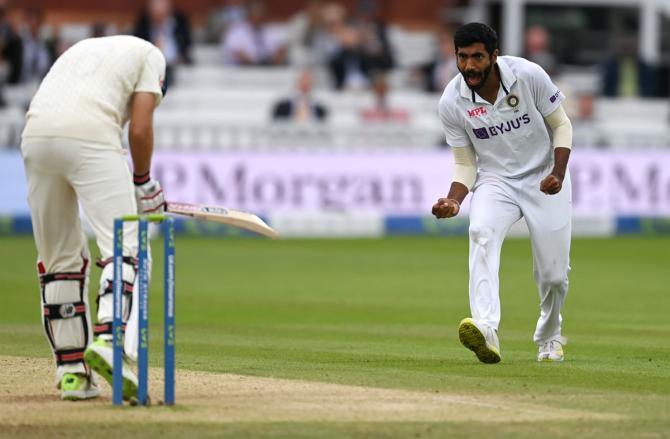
[13, 188]
[395, 183]
[386, 183]
[371, 226]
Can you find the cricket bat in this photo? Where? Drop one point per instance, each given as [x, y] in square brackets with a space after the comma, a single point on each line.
[232, 217]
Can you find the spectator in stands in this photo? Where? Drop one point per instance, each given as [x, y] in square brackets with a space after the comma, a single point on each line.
[625, 74]
[349, 65]
[374, 36]
[436, 74]
[222, 17]
[382, 111]
[254, 41]
[538, 50]
[37, 53]
[301, 107]
[10, 51]
[169, 30]
[307, 36]
[99, 29]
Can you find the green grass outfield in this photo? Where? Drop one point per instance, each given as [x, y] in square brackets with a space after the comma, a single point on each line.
[383, 313]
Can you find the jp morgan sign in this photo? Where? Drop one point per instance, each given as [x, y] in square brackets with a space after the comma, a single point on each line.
[387, 182]
[505, 127]
[391, 182]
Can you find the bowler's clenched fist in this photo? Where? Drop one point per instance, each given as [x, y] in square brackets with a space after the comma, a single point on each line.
[446, 208]
[551, 184]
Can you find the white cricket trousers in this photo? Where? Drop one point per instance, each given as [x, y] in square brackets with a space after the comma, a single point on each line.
[63, 174]
[497, 203]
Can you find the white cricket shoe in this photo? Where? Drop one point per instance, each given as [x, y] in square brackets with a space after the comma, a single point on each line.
[480, 339]
[552, 350]
[99, 356]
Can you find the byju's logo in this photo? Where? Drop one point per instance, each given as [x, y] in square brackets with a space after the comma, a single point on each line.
[555, 96]
[481, 133]
[505, 127]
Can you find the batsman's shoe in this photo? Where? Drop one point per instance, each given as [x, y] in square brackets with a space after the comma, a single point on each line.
[77, 386]
[100, 357]
[552, 350]
[480, 339]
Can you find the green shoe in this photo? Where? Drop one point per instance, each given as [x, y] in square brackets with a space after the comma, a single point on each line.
[76, 387]
[480, 339]
[99, 357]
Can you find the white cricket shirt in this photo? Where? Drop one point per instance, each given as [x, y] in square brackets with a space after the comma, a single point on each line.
[87, 92]
[509, 137]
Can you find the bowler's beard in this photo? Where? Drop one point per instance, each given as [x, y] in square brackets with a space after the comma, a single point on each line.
[484, 76]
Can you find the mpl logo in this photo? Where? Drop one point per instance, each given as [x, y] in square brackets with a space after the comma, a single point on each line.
[475, 112]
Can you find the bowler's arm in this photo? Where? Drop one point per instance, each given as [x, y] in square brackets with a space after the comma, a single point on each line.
[465, 174]
[561, 129]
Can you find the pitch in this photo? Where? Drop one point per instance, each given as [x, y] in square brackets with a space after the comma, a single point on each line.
[357, 338]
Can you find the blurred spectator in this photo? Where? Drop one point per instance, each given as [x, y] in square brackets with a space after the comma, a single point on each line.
[10, 51]
[254, 41]
[436, 75]
[302, 107]
[625, 74]
[37, 54]
[169, 30]
[538, 50]
[374, 36]
[99, 29]
[307, 35]
[586, 124]
[361, 46]
[382, 111]
[222, 17]
[349, 65]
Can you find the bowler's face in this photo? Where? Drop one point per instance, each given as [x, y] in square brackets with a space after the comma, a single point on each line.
[475, 64]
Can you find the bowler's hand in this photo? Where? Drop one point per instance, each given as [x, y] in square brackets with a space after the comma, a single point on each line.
[551, 184]
[446, 208]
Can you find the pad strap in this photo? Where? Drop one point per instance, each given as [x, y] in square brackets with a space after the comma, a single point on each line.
[65, 310]
[126, 259]
[69, 356]
[105, 329]
[58, 277]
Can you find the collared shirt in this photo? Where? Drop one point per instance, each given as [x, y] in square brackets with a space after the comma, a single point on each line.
[509, 137]
[86, 93]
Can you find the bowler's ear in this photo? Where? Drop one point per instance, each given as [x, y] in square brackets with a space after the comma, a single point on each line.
[494, 56]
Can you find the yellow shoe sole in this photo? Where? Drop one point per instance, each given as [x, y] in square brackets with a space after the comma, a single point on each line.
[472, 338]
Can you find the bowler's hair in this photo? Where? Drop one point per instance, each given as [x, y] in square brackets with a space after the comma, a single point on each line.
[472, 33]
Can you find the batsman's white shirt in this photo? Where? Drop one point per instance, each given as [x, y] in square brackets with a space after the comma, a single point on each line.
[509, 137]
[85, 95]
[514, 152]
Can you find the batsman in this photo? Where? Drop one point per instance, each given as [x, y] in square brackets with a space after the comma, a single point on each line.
[73, 156]
[511, 142]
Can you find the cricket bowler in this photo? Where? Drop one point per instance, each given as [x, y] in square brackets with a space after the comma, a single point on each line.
[511, 142]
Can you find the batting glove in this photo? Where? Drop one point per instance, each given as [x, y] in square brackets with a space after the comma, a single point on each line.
[149, 194]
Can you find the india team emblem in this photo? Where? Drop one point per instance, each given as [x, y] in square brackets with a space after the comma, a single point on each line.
[512, 100]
